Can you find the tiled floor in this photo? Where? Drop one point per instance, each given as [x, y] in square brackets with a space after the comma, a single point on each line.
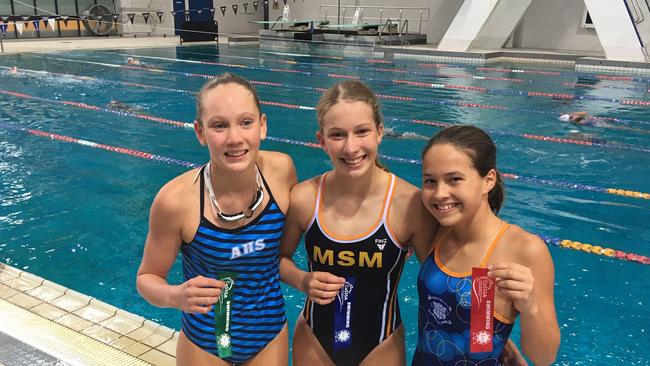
[47, 324]
[16, 353]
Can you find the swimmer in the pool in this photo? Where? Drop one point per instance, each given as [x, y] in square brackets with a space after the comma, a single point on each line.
[124, 107]
[582, 118]
[391, 133]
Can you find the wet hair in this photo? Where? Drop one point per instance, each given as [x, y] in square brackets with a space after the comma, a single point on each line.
[481, 150]
[225, 78]
[350, 91]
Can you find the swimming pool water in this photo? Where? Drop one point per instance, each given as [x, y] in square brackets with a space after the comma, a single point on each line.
[78, 216]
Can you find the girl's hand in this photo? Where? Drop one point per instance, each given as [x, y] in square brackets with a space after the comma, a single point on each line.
[517, 282]
[511, 355]
[322, 287]
[197, 295]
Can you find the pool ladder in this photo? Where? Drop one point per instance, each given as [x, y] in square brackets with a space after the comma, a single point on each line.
[402, 27]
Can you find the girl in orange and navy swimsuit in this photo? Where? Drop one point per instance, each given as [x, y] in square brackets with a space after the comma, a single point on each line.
[463, 190]
[357, 220]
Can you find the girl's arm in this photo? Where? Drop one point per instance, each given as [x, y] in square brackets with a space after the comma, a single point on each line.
[426, 228]
[408, 215]
[321, 287]
[160, 251]
[529, 284]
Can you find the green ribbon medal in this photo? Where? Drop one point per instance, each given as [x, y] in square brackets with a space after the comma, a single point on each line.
[222, 311]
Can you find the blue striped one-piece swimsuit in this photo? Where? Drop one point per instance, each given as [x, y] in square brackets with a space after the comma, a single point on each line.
[252, 251]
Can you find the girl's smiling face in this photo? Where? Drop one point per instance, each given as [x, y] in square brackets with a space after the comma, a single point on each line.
[231, 126]
[350, 137]
[452, 189]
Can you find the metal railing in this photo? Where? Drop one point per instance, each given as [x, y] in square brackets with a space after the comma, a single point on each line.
[377, 14]
[386, 28]
[404, 29]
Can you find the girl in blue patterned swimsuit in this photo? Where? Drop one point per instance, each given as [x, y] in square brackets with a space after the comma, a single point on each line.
[463, 190]
[226, 216]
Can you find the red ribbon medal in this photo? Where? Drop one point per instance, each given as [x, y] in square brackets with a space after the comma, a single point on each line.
[482, 311]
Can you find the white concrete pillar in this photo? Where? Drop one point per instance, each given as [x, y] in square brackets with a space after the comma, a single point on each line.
[615, 30]
[465, 27]
[501, 23]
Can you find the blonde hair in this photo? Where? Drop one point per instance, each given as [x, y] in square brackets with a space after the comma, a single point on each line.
[350, 91]
[225, 78]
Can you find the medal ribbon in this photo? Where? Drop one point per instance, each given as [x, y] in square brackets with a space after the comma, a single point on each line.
[343, 315]
[482, 311]
[222, 310]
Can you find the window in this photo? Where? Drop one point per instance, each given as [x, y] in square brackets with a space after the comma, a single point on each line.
[586, 20]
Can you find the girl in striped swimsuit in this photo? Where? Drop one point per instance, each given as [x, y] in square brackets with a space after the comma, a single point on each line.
[225, 218]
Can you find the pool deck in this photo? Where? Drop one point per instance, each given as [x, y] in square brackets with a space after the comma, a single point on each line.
[47, 324]
[85, 43]
[588, 61]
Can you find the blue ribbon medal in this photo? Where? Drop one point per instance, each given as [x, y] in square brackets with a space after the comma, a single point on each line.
[343, 315]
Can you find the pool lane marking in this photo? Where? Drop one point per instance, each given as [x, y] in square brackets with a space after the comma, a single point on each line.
[117, 149]
[523, 178]
[511, 92]
[380, 96]
[583, 75]
[438, 74]
[599, 143]
[592, 143]
[587, 248]
[502, 91]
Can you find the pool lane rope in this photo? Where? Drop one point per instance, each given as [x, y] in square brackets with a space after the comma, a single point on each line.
[439, 101]
[405, 71]
[592, 142]
[584, 75]
[436, 74]
[564, 243]
[566, 73]
[511, 92]
[561, 96]
[522, 178]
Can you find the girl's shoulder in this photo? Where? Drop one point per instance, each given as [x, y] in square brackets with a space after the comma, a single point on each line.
[302, 202]
[408, 217]
[524, 246]
[180, 194]
[406, 197]
[275, 162]
[278, 169]
[305, 192]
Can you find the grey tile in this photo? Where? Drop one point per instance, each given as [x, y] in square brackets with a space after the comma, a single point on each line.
[16, 353]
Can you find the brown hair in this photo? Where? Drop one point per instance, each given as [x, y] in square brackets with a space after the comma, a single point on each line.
[481, 150]
[350, 91]
[225, 78]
